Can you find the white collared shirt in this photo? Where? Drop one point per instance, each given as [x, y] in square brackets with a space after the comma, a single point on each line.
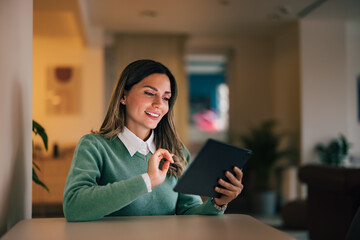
[135, 144]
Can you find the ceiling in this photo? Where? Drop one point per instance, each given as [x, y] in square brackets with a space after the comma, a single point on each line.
[203, 17]
[337, 10]
[194, 16]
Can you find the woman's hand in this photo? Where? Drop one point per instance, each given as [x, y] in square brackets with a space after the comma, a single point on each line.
[231, 189]
[157, 176]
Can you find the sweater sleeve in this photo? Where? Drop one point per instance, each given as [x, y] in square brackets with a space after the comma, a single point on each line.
[84, 199]
[188, 204]
[193, 205]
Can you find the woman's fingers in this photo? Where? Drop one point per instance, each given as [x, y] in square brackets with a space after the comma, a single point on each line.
[230, 190]
[156, 158]
[228, 185]
[238, 172]
[163, 153]
[231, 195]
[157, 176]
[234, 180]
[165, 166]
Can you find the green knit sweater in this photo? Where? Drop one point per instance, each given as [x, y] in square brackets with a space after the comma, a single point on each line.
[104, 180]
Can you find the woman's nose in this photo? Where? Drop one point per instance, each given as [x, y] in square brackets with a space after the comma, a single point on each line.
[157, 101]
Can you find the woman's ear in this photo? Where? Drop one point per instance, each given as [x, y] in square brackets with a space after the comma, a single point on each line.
[123, 100]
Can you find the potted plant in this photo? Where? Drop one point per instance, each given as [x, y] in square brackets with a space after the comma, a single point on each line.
[39, 130]
[335, 152]
[265, 144]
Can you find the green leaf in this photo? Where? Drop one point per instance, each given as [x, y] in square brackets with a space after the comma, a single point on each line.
[36, 166]
[38, 129]
[38, 181]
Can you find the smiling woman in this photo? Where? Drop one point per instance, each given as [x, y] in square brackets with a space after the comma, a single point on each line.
[131, 165]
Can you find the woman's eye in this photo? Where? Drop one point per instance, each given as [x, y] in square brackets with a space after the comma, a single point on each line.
[166, 99]
[149, 93]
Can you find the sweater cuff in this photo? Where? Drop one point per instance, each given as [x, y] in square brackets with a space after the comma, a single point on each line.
[147, 181]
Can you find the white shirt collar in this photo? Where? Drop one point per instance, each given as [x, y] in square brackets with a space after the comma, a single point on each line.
[135, 144]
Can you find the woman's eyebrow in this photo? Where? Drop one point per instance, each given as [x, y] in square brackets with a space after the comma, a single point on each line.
[155, 89]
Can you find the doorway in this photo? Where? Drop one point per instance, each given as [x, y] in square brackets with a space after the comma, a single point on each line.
[208, 99]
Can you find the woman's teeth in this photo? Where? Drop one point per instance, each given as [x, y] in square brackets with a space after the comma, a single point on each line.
[153, 114]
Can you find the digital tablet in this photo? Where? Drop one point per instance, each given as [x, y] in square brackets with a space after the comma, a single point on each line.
[210, 164]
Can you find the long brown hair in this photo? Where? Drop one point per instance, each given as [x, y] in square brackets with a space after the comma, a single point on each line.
[165, 135]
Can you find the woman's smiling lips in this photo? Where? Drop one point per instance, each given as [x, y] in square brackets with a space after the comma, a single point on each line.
[153, 115]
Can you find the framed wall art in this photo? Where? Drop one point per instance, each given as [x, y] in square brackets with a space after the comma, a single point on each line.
[63, 90]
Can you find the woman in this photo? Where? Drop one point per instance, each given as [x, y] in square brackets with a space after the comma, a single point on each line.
[130, 166]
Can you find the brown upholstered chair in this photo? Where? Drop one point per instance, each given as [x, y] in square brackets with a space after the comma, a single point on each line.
[332, 201]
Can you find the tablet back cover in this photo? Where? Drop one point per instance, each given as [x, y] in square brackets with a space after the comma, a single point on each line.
[211, 163]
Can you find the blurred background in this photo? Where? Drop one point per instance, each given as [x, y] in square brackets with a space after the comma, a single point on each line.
[283, 71]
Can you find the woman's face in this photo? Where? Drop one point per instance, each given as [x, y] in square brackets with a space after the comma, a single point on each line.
[146, 103]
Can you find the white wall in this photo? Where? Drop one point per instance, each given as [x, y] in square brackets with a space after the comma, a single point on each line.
[16, 110]
[353, 73]
[324, 85]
